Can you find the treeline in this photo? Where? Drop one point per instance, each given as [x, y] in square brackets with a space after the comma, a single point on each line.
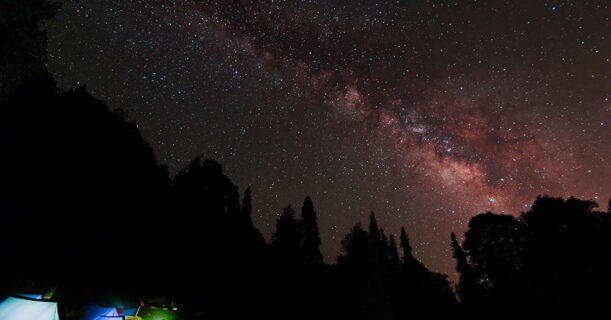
[553, 261]
[85, 209]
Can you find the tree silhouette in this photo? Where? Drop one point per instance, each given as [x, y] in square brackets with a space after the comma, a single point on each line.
[23, 52]
[248, 234]
[311, 239]
[82, 191]
[555, 254]
[392, 252]
[83, 182]
[287, 239]
[406, 247]
[374, 231]
[383, 239]
[81, 175]
[365, 289]
[569, 243]
[419, 292]
[204, 201]
[246, 209]
[468, 289]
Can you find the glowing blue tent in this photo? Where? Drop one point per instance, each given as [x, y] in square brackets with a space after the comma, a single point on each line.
[29, 295]
[129, 312]
[22, 308]
[94, 312]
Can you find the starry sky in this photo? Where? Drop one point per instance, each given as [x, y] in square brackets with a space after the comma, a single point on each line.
[425, 112]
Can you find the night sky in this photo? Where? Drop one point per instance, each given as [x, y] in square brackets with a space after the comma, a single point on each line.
[425, 112]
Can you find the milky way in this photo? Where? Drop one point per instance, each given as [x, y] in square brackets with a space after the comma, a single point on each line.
[426, 112]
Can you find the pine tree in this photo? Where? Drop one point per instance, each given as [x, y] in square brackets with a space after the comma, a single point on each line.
[406, 247]
[392, 251]
[311, 239]
[246, 209]
[383, 239]
[287, 238]
[459, 255]
[232, 207]
[365, 290]
[467, 287]
[374, 231]
[245, 223]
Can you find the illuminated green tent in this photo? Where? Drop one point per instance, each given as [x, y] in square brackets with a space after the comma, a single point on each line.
[148, 313]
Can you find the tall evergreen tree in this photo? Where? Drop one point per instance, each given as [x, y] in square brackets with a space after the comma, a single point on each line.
[364, 284]
[286, 240]
[374, 231]
[406, 247]
[383, 238]
[459, 255]
[246, 209]
[311, 239]
[466, 284]
[245, 224]
[392, 251]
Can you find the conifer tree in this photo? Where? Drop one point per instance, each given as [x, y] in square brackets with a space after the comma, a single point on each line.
[459, 255]
[287, 238]
[365, 290]
[374, 231]
[246, 224]
[406, 247]
[246, 209]
[311, 239]
[383, 238]
[392, 251]
[466, 285]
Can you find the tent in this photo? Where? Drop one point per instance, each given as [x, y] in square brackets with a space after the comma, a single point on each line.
[94, 312]
[129, 312]
[22, 308]
[147, 313]
[35, 296]
[110, 305]
[119, 300]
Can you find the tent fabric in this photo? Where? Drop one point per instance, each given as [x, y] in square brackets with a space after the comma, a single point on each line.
[20, 308]
[157, 314]
[29, 295]
[129, 312]
[94, 312]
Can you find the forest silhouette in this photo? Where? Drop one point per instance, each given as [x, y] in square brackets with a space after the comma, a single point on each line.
[85, 208]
